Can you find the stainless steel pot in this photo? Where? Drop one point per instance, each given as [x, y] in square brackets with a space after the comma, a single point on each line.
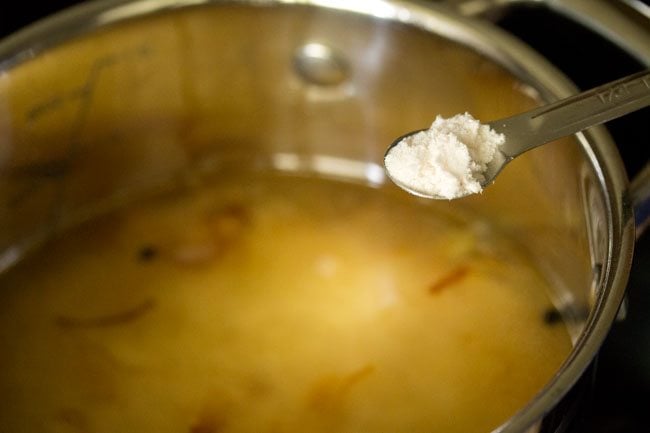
[99, 104]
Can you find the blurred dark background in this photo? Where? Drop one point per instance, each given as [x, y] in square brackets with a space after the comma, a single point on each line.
[619, 397]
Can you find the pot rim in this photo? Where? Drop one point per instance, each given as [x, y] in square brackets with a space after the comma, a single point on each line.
[489, 41]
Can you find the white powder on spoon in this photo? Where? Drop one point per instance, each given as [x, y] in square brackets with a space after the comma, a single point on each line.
[447, 160]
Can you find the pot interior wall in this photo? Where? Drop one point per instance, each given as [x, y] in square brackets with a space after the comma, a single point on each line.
[112, 116]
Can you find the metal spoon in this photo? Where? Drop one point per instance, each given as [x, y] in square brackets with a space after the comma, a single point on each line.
[568, 116]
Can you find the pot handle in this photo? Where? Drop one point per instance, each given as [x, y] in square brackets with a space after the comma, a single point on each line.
[623, 22]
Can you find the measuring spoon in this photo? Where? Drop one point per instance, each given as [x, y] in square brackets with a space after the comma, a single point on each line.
[565, 117]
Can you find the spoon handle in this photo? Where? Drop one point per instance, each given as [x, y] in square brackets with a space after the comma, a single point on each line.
[573, 114]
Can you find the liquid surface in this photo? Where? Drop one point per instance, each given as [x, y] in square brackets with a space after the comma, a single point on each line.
[274, 305]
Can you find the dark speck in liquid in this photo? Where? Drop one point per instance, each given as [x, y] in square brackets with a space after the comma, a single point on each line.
[147, 253]
[552, 317]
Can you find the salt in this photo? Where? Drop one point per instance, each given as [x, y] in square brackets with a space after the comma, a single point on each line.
[448, 160]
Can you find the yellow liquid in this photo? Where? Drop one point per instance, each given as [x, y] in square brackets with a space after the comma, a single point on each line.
[275, 304]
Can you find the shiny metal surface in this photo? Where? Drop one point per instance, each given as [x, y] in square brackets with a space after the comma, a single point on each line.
[121, 104]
